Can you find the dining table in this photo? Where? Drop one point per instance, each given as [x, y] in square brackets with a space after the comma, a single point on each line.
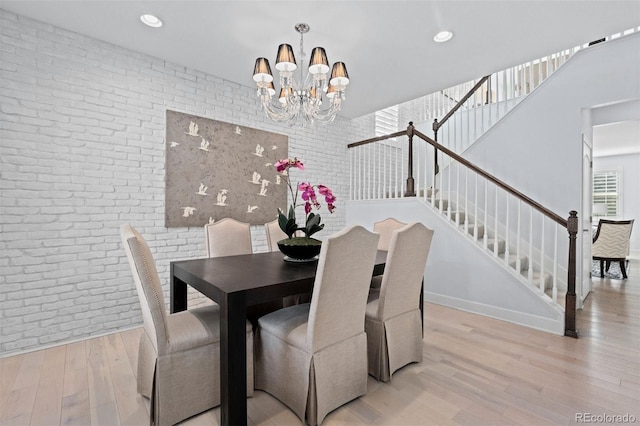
[235, 283]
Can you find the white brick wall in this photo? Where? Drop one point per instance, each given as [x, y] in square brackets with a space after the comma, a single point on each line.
[82, 147]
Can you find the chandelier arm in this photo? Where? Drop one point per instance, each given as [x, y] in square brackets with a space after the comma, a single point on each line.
[275, 112]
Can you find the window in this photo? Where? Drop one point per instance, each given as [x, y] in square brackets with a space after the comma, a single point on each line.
[386, 121]
[606, 190]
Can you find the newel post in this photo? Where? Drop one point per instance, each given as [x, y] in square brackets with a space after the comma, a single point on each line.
[435, 126]
[410, 192]
[570, 300]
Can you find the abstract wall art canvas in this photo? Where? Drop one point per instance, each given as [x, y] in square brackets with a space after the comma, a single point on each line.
[216, 170]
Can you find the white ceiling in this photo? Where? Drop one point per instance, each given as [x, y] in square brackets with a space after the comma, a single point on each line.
[387, 45]
[616, 138]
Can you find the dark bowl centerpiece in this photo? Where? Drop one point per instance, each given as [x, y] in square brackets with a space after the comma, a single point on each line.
[300, 248]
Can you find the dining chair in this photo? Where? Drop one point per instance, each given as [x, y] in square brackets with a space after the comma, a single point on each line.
[392, 321]
[179, 354]
[227, 237]
[274, 234]
[385, 228]
[612, 243]
[313, 356]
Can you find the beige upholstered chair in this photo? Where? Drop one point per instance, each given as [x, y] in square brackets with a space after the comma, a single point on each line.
[393, 323]
[385, 228]
[227, 237]
[611, 243]
[274, 234]
[179, 354]
[313, 357]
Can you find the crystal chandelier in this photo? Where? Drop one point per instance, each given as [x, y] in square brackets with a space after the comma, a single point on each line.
[310, 98]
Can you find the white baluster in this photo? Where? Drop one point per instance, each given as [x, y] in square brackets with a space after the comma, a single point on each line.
[352, 170]
[495, 219]
[506, 233]
[542, 255]
[554, 294]
[441, 187]
[457, 194]
[530, 275]
[466, 200]
[518, 261]
[475, 209]
[449, 189]
[486, 207]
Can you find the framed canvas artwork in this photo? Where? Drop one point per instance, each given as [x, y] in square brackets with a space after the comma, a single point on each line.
[216, 170]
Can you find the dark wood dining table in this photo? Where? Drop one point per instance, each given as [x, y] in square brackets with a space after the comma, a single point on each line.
[236, 282]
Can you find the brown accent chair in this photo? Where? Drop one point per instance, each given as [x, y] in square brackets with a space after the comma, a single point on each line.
[313, 356]
[612, 243]
[393, 320]
[179, 354]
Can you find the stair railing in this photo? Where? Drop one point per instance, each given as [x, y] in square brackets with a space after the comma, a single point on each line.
[520, 233]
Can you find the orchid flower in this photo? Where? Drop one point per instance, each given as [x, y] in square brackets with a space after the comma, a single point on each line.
[308, 194]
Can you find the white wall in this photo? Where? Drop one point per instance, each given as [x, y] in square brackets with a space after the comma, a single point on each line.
[629, 165]
[82, 144]
[537, 146]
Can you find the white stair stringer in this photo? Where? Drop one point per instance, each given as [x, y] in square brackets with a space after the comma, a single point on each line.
[461, 273]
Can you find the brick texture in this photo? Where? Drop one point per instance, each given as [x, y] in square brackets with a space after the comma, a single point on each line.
[82, 147]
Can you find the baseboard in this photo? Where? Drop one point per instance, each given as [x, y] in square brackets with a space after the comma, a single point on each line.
[532, 321]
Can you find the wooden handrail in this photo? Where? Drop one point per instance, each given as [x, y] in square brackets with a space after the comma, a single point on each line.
[438, 124]
[377, 139]
[556, 218]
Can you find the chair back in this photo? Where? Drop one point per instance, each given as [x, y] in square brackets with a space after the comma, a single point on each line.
[227, 237]
[385, 228]
[274, 234]
[148, 287]
[339, 297]
[404, 270]
[612, 239]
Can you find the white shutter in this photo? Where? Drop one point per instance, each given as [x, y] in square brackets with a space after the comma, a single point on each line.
[606, 186]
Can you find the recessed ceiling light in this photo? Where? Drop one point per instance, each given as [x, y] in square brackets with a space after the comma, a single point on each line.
[443, 36]
[151, 20]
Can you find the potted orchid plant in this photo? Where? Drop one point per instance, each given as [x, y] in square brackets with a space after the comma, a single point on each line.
[302, 247]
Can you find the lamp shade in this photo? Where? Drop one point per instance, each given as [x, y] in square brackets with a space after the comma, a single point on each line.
[262, 71]
[271, 89]
[283, 95]
[331, 91]
[318, 64]
[286, 60]
[339, 75]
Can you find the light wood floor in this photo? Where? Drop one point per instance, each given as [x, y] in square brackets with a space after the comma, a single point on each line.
[476, 371]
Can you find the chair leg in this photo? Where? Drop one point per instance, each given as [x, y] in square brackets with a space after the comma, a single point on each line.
[623, 269]
[607, 265]
[601, 268]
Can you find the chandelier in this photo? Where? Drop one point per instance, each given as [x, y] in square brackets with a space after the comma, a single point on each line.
[308, 99]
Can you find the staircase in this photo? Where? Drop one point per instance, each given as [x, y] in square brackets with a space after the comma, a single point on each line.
[521, 250]
[496, 246]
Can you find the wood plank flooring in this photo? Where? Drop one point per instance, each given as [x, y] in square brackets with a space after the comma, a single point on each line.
[476, 371]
